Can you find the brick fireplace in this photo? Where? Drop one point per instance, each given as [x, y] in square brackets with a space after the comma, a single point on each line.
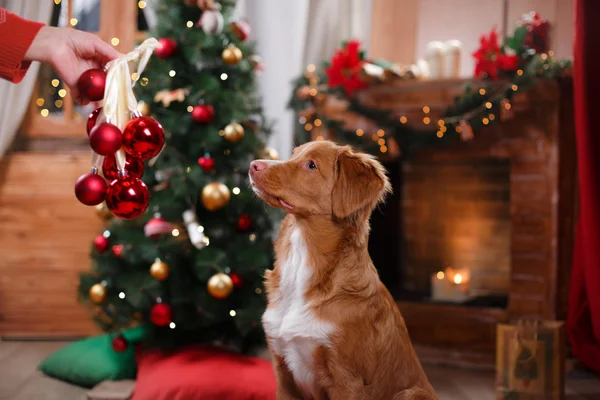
[500, 209]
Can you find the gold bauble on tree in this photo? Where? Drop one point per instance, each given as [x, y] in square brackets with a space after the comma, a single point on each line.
[269, 153]
[233, 132]
[231, 55]
[159, 270]
[143, 108]
[98, 293]
[103, 212]
[215, 196]
[220, 285]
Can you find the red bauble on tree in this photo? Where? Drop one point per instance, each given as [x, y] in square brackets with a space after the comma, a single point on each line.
[160, 314]
[93, 117]
[203, 114]
[117, 250]
[237, 280]
[101, 243]
[244, 223]
[143, 138]
[241, 29]
[156, 227]
[207, 163]
[167, 49]
[119, 344]
[127, 197]
[133, 166]
[90, 189]
[106, 139]
[91, 84]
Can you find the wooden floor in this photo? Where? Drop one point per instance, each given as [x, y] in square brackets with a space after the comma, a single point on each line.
[19, 379]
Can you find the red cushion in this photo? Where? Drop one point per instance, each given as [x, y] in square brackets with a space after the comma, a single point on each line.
[202, 372]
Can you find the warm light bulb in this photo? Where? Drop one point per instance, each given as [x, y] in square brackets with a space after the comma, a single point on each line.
[440, 275]
[55, 82]
[311, 68]
[189, 24]
[73, 21]
[44, 112]
[317, 122]
[62, 92]
[39, 102]
[482, 91]
[403, 119]
[458, 279]
[426, 120]
[172, 73]
[224, 76]
[320, 137]
[114, 41]
[172, 325]
[142, 4]
[426, 110]
[359, 132]
[122, 295]
[383, 149]
[236, 190]
[488, 105]
[175, 232]
[232, 313]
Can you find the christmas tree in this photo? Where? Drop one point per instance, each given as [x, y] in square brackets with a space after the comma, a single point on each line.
[191, 268]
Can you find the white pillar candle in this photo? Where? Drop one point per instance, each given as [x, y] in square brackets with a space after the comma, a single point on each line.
[436, 52]
[452, 58]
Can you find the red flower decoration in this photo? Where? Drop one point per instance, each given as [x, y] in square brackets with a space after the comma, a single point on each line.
[345, 67]
[490, 57]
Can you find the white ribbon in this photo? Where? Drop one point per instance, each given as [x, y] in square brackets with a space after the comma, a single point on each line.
[119, 99]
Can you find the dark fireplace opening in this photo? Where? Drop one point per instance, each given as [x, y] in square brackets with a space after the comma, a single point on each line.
[444, 236]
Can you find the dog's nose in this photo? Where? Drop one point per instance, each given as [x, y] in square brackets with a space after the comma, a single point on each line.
[257, 166]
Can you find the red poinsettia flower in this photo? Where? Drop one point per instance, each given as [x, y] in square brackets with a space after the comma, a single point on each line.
[490, 58]
[344, 69]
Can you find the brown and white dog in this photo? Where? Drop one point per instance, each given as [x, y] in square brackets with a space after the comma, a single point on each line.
[333, 329]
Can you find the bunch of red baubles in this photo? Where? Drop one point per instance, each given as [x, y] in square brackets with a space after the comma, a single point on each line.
[142, 138]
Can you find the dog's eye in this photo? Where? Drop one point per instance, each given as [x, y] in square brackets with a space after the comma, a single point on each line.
[311, 165]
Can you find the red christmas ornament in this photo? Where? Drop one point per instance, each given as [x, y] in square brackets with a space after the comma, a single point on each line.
[241, 29]
[344, 69]
[91, 122]
[157, 226]
[538, 32]
[167, 49]
[244, 223]
[237, 280]
[91, 84]
[133, 166]
[490, 59]
[117, 250]
[119, 344]
[160, 314]
[207, 163]
[101, 243]
[106, 139]
[90, 189]
[143, 138]
[127, 197]
[203, 114]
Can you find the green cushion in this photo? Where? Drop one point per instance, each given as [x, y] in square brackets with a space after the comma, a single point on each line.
[92, 360]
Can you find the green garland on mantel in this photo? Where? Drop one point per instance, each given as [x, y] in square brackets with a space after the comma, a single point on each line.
[483, 102]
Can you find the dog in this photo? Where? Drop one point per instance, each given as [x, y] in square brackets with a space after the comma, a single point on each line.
[333, 329]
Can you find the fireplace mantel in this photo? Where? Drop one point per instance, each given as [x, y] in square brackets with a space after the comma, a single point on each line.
[539, 143]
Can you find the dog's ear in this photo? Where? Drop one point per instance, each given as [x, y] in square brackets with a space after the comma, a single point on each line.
[361, 183]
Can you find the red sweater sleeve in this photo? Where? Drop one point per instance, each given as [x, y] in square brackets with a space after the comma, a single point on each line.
[16, 35]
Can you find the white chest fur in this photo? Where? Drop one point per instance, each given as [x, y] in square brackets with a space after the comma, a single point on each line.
[291, 327]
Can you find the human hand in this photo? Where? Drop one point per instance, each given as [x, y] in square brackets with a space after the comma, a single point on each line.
[70, 52]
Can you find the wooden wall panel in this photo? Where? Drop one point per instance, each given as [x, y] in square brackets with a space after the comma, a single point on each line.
[45, 240]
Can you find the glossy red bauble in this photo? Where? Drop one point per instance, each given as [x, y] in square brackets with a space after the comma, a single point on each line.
[237, 280]
[160, 314]
[143, 138]
[244, 223]
[241, 29]
[167, 49]
[133, 166]
[117, 250]
[93, 117]
[203, 114]
[90, 189]
[156, 227]
[119, 344]
[91, 84]
[127, 197]
[207, 163]
[101, 243]
[106, 139]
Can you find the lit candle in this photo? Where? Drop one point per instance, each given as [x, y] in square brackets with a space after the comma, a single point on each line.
[450, 285]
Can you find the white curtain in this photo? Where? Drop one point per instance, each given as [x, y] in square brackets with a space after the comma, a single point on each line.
[15, 98]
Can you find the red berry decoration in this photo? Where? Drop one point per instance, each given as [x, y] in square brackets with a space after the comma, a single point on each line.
[133, 166]
[203, 114]
[127, 197]
[156, 227]
[91, 122]
[237, 280]
[160, 314]
[90, 189]
[117, 250]
[167, 49]
[91, 84]
[106, 139]
[119, 344]
[143, 138]
[101, 244]
[207, 163]
[241, 29]
[244, 223]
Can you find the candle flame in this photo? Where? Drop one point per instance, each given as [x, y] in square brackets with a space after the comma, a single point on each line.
[458, 279]
[440, 275]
